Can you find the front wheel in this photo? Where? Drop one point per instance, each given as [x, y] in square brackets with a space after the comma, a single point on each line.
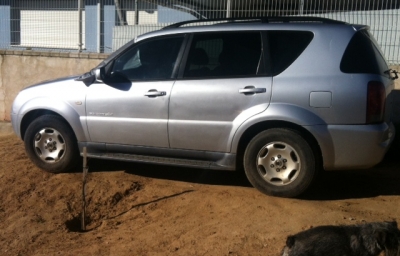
[51, 144]
[280, 162]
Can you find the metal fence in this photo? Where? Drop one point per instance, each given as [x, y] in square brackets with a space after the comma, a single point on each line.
[104, 25]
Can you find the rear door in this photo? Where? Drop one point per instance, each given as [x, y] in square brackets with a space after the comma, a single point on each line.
[222, 83]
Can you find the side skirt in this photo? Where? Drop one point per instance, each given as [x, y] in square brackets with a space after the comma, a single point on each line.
[186, 158]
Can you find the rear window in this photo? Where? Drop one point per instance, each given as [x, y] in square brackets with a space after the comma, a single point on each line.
[362, 55]
[286, 47]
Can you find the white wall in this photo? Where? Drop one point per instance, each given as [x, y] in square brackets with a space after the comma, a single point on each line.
[51, 29]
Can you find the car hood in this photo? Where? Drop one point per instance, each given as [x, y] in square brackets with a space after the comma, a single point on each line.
[53, 81]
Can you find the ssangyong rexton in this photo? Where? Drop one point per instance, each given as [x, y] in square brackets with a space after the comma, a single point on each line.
[283, 97]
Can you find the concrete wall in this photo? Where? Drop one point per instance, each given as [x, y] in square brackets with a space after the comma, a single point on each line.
[19, 69]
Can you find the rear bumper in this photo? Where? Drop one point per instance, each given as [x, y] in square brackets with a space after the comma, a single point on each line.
[353, 146]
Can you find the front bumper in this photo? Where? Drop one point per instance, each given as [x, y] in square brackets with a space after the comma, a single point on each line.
[15, 124]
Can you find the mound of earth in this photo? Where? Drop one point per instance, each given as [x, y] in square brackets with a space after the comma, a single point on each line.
[138, 209]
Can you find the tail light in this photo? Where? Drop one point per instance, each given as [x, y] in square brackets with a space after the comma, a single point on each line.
[376, 97]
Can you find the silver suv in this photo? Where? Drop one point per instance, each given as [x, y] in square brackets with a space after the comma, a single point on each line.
[283, 97]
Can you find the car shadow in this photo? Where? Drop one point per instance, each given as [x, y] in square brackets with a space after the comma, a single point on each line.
[192, 175]
[383, 179]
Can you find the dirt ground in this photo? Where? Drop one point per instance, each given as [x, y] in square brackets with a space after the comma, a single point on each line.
[138, 209]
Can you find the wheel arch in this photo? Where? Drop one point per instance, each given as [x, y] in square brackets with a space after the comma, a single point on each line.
[32, 115]
[255, 129]
[40, 107]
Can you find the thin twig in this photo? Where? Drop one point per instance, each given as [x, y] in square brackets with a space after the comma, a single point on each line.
[85, 171]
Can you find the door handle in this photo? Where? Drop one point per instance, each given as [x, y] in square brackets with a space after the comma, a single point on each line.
[154, 93]
[248, 90]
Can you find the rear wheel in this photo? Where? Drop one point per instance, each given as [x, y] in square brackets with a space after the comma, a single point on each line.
[51, 144]
[280, 162]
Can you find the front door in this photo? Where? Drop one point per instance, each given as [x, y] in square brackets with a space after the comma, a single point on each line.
[136, 116]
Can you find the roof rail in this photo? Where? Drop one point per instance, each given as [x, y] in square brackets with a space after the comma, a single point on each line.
[272, 19]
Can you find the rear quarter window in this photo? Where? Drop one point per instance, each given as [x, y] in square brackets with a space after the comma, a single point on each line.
[285, 47]
[363, 55]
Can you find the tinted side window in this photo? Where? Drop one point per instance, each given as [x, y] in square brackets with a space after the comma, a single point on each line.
[225, 54]
[286, 46]
[362, 55]
[151, 60]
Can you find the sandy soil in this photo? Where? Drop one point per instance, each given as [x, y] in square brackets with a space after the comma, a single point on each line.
[137, 209]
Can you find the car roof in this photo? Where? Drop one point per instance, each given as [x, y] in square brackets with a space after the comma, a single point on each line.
[242, 24]
[248, 23]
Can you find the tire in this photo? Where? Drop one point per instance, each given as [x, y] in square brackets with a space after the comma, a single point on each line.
[51, 144]
[280, 162]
